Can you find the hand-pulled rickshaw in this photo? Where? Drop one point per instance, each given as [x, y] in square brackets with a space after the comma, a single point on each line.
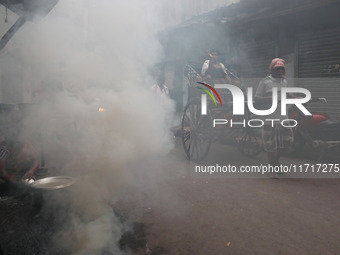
[197, 129]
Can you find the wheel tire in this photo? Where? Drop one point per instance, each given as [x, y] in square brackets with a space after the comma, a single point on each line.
[248, 144]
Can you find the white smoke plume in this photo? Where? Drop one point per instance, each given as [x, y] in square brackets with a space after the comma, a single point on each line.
[86, 55]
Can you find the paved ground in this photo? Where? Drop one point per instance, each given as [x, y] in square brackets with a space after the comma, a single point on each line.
[23, 231]
[184, 213]
[189, 214]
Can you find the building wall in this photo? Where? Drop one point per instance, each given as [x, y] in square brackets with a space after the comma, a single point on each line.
[15, 76]
[243, 43]
[178, 11]
[11, 89]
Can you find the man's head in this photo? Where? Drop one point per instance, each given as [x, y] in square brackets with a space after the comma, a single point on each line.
[214, 54]
[277, 68]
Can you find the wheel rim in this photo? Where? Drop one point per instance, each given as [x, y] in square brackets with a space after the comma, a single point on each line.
[196, 132]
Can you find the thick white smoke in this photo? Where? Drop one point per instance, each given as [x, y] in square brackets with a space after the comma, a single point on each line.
[86, 55]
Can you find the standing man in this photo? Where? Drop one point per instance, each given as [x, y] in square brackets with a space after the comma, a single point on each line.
[275, 137]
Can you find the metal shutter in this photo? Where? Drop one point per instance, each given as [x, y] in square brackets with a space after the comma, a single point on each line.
[259, 55]
[254, 58]
[319, 68]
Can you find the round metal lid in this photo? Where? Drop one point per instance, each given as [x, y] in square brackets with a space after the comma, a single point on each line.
[52, 183]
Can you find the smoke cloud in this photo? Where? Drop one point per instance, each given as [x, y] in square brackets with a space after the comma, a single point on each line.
[82, 56]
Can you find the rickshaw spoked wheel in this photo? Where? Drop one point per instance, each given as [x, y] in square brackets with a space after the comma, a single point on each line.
[196, 131]
[247, 143]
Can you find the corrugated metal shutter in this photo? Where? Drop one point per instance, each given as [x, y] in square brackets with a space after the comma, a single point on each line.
[254, 58]
[319, 68]
[259, 55]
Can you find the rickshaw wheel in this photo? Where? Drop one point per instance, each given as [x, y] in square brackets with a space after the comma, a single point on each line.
[248, 144]
[196, 132]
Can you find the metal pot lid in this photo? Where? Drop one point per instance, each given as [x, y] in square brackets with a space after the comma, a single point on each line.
[52, 183]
